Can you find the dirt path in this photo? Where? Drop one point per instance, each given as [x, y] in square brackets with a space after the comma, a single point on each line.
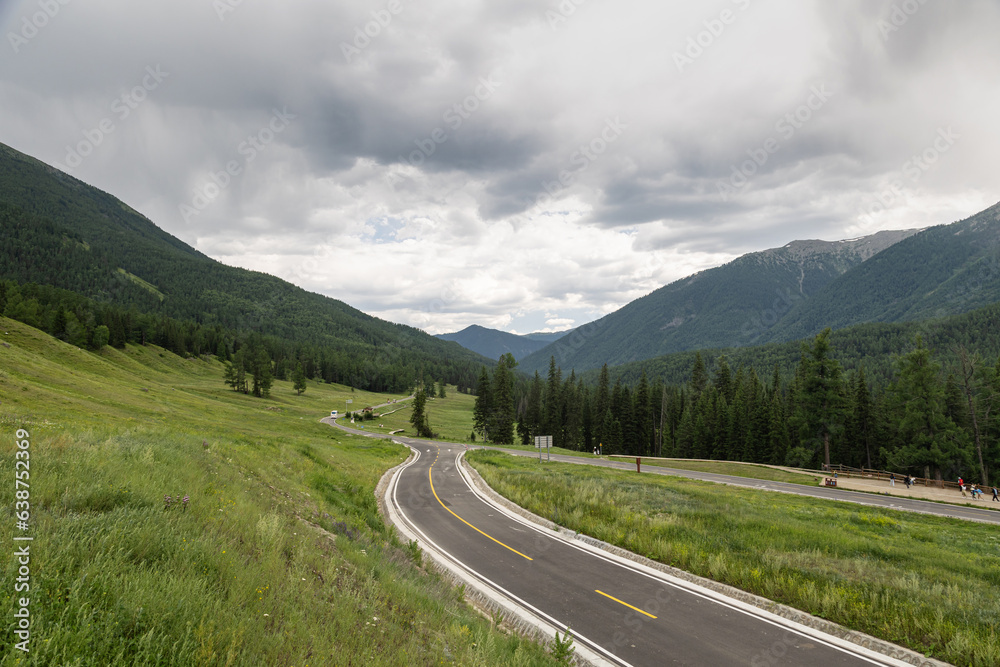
[881, 486]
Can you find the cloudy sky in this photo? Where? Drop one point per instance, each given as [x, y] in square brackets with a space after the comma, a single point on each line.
[520, 164]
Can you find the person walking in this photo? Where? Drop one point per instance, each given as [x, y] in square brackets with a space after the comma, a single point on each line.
[892, 479]
[995, 494]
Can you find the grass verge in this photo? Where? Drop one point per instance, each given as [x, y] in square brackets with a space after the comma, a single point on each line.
[924, 582]
[736, 469]
[279, 556]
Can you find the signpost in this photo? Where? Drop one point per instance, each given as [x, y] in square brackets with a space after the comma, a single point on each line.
[546, 442]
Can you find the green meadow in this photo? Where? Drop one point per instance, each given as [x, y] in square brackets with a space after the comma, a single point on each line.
[450, 417]
[278, 556]
[925, 582]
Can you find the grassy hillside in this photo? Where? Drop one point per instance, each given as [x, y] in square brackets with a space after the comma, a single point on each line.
[450, 417]
[278, 557]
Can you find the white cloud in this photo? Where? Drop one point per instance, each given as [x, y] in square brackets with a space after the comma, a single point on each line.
[517, 206]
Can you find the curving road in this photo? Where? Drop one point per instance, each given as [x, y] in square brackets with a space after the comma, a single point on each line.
[620, 612]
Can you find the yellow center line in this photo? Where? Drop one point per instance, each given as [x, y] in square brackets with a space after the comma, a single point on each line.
[466, 522]
[625, 603]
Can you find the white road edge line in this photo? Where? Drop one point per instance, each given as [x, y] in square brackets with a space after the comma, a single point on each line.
[511, 603]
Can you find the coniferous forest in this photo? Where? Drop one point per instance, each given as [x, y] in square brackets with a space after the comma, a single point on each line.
[933, 415]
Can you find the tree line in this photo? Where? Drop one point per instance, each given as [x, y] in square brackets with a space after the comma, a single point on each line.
[926, 420]
[257, 359]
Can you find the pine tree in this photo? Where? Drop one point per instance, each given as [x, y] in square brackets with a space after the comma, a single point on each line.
[299, 379]
[418, 417]
[500, 425]
[981, 396]
[820, 395]
[552, 418]
[929, 439]
[699, 376]
[259, 366]
[530, 424]
[235, 374]
[860, 423]
[724, 380]
[602, 404]
[643, 411]
[777, 432]
[483, 407]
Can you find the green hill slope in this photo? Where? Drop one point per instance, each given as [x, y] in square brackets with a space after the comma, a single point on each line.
[277, 557]
[57, 230]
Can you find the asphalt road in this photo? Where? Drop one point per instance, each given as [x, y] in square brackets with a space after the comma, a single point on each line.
[828, 493]
[619, 611]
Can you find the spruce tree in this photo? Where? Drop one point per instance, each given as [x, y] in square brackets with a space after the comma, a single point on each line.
[483, 407]
[929, 440]
[299, 379]
[418, 417]
[820, 399]
[500, 425]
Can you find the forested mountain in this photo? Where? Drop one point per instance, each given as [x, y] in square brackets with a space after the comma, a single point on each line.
[727, 306]
[943, 270]
[493, 344]
[873, 346]
[56, 230]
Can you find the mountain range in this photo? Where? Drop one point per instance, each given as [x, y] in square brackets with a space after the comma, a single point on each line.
[493, 344]
[56, 230]
[796, 291]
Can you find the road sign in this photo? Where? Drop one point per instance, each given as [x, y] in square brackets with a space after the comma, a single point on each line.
[546, 442]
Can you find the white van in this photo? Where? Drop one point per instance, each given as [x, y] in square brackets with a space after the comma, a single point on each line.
[334, 413]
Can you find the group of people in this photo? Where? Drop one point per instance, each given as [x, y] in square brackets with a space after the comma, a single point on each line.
[975, 491]
[908, 480]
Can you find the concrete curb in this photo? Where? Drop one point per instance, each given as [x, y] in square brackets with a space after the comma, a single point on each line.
[880, 646]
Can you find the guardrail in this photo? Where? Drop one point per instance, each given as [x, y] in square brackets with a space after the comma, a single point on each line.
[887, 475]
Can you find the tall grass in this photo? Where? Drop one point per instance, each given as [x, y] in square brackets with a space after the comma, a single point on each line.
[279, 557]
[925, 582]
